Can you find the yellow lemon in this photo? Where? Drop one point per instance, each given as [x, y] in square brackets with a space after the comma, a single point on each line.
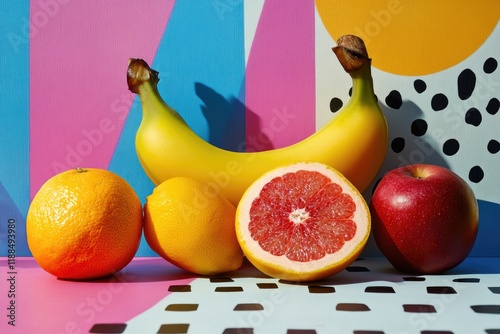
[191, 225]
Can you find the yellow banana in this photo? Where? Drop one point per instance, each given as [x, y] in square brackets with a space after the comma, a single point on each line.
[354, 142]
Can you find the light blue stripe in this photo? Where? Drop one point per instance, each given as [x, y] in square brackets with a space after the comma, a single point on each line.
[14, 115]
[201, 60]
[125, 163]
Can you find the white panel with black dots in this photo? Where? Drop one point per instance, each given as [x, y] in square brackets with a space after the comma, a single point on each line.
[449, 118]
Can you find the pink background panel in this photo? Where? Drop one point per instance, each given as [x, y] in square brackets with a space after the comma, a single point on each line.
[280, 76]
[78, 124]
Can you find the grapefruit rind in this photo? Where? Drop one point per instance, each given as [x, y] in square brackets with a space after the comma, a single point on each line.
[280, 266]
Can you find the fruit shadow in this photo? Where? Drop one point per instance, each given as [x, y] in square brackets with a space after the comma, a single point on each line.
[227, 119]
[357, 273]
[361, 274]
[143, 270]
[153, 269]
[412, 139]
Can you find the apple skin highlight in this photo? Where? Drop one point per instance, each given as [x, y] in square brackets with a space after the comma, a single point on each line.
[424, 218]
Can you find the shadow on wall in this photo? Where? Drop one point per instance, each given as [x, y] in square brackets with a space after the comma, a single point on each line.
[407, 141]
[407, 145]
[226, 119]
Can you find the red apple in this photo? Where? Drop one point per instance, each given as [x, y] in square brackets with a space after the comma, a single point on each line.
[424, 218]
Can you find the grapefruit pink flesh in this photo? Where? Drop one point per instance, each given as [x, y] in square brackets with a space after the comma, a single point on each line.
[312, 219]
[302, 222]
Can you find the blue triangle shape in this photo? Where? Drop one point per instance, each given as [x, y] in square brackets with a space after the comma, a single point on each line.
[12, 227]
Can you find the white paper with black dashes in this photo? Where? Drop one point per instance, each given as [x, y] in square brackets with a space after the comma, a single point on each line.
[368, 297]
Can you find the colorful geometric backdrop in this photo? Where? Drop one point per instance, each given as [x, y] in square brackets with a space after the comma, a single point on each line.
[232, 68]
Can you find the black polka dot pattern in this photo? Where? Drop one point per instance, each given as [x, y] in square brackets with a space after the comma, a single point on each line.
[490, 65]
[394, 100]
[420, 86]
[419, 127]
[398, 144]
[473, 117]
[493, 106]
[466, 83]
[476, 174]
[493, 146]
[451, 147]
[336, 104]
[439, 102]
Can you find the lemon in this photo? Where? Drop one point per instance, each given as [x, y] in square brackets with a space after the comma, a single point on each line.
[192, 225]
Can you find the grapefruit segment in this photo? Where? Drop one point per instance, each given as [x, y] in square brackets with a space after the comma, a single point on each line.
[302, 222]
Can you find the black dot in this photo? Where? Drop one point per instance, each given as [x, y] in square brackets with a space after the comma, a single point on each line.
[420, 86]
[336, 104]
[490, 65]
[493, 106]
[350, 91]
[394, 100]
[419, 127]
[439, 102]
[476, 174]
[493, 146]
[451, 146]
[473, 117]
[466, 83]
[398, 144]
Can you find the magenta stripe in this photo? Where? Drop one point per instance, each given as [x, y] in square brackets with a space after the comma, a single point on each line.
[280, 76]
[78, 95]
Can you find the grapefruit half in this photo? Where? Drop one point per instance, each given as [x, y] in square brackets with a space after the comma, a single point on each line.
[302, 222]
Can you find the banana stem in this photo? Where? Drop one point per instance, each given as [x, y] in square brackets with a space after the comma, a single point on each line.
[362, 85]
[353, 57]
[143, 81]
[138, 73]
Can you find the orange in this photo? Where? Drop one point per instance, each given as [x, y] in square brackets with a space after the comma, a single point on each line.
[302, 222]
[84, 223]
[190, 224]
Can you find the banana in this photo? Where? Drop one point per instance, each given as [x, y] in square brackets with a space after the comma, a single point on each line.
[354, 142]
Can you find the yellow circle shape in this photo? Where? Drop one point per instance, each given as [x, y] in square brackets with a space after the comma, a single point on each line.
[413, 37]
